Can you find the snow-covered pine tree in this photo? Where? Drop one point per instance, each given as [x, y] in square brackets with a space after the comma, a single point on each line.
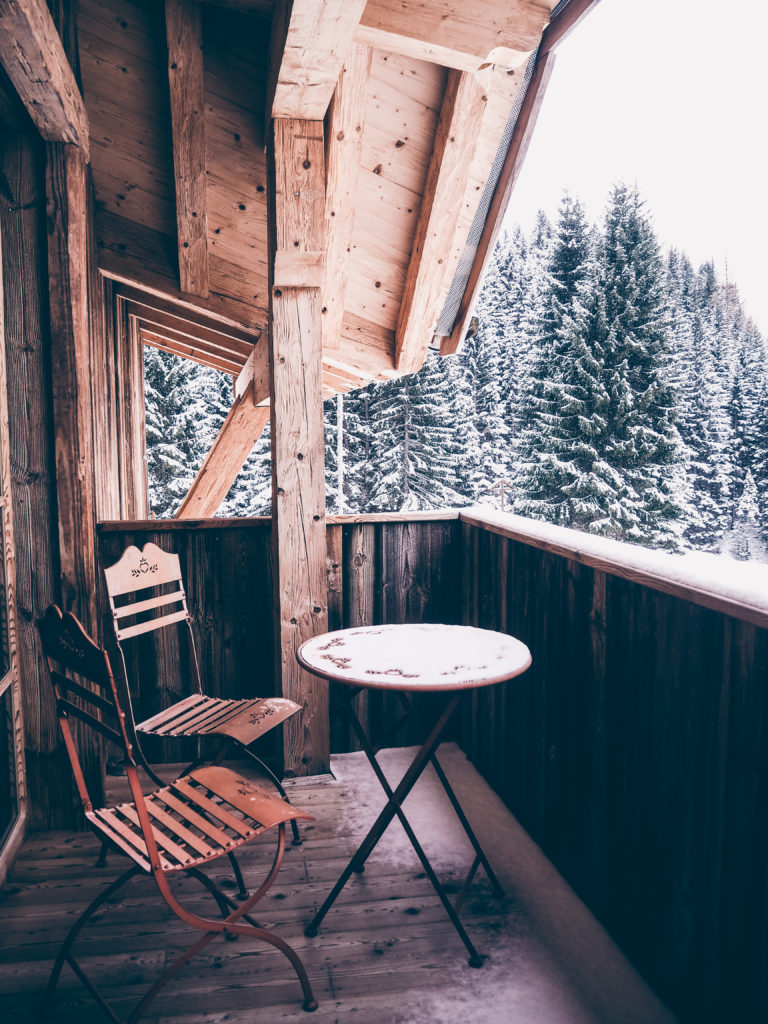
[641, 441]
[175, 450]
[562, 403]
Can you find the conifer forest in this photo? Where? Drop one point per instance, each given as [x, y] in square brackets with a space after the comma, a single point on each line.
[607, 385]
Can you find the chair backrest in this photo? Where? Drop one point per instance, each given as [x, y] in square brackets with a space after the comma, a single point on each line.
[142, 569]
[74, 660]
[146, 593]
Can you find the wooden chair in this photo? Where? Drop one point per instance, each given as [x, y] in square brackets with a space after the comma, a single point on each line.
[174, 829]
[135, 611]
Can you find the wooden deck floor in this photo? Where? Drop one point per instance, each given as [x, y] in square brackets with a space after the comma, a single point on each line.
[386, 954]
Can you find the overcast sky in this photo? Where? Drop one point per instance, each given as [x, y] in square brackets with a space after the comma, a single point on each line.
[670, 95]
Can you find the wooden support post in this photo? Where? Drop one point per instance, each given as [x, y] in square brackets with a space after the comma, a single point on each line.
[67, 206]
[184, 30]
[297, 227]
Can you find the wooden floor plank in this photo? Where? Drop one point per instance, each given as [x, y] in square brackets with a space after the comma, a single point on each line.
[386, 953]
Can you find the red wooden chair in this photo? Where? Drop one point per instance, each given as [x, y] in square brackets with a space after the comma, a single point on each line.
[176, 828]
[146, 593]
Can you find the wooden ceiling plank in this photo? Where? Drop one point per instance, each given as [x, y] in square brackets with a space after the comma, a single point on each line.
[234, 442]
[142, 258]
[344, 146]
[184, 33]
[306, 66]
[33, 56]
[455, 141]
[466, 37]
[558, 29]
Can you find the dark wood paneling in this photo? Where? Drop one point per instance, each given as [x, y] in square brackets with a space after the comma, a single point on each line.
[378, 572]
[635, 752]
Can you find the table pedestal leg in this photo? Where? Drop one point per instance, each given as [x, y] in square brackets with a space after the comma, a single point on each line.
[394, 807]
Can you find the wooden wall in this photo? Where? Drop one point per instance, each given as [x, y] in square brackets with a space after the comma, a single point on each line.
[24, 255]
[377, 572]
[635, 752]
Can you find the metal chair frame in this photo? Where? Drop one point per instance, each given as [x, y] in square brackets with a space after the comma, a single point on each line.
[240, 722]
[174, 829]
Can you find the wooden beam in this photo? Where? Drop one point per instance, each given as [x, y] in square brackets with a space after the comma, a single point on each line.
[344, 146]
[67, 205]
[309, 46]
[297, 221]
[179, 345]
[557, 31]
[455, 140]
[33, 56]
[234, 442]
[456, 34]
[184, 33]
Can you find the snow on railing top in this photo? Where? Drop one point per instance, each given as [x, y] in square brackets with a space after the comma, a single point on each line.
[715, 581]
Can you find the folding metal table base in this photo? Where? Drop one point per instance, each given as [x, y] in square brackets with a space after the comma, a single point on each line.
[393, 807]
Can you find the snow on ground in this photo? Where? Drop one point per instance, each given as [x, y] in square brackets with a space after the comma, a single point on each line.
[549, 961]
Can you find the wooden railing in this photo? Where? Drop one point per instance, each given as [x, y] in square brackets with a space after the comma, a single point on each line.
[635, 750]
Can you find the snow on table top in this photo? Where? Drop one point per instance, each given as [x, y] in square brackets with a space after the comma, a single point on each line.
[416, 657]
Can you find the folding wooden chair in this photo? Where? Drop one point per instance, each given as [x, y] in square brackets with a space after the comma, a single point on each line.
[135, 611]
[176, 828]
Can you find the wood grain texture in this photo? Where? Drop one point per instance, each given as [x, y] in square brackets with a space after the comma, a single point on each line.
[429, 272]
[675, 586]
[634, 754]
[10, 686]
[555, 33]
[454, 34]
[344, 147]
[234, 442]
[184, 34]
[298, 477]
[306, 68]
[67, 204]
[33, 56]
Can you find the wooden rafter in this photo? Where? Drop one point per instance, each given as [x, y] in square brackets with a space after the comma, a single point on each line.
[34, 59]
[559, 28]
[346, 121]
[460, 119]
[309, 46]
[184, 32]
[232, 446]
[454, 33]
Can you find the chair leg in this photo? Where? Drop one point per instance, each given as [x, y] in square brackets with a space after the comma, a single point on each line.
[242, 892]
[102, 860]
[296, 840]
[63, 954]
[228, 926]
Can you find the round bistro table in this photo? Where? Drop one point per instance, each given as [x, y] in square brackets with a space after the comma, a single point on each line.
[412, 659]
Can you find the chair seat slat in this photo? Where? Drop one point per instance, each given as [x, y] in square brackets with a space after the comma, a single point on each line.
[212, 831]
[102, 822]
[176, 721]
[164, 842]
[196, 795]
[171, 713]
[191, 838]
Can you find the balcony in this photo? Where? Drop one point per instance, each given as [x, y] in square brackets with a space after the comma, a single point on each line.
[632, 754]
